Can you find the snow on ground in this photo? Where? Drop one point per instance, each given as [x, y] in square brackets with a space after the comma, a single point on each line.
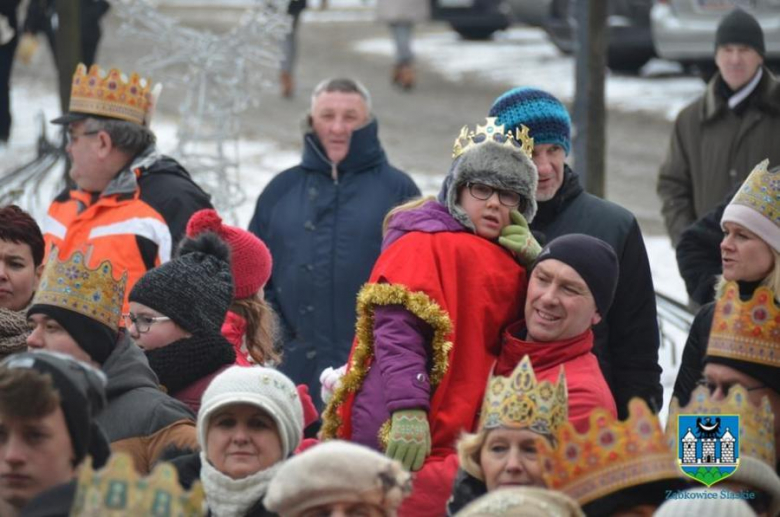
[523, 56]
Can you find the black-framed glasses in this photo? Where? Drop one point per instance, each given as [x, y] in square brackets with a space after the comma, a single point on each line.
[505, 197]
[71, 138]
[712, 386]
[143, 323]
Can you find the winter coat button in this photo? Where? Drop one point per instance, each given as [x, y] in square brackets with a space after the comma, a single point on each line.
[311, 354]
[733, 173]
[310, 308]
[309, 267]
[421, 378]
[309, 226]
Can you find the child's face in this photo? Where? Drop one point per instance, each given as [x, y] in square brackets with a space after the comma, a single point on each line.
[489, 217]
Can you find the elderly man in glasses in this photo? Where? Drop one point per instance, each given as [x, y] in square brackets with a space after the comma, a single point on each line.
[76, 311]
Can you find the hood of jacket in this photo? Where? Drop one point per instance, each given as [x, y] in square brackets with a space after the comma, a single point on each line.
[365, 151]
[127, 369]
[431, 217]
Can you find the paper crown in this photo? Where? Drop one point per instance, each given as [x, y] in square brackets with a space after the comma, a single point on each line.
[118, 490]
[111, 95]
[756, 424]
[610, 457]
[520, 402]
[520, 141]
[746, 330]
[72, 285]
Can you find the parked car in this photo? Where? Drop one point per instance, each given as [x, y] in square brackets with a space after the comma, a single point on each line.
[530, 12]
[473, 19]
[629, 39]
[684, 30]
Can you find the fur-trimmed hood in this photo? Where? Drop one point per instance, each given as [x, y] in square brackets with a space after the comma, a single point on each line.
[497, 166]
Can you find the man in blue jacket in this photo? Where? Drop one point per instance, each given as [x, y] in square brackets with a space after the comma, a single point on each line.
[322, 221]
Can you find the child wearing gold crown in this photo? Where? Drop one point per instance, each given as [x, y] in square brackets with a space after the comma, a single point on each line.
[430, 318]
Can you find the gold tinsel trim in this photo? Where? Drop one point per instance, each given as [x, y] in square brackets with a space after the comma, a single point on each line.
[370, 296]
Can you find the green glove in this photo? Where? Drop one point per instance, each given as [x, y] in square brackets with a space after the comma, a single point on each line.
[518, 239]
[410, 438]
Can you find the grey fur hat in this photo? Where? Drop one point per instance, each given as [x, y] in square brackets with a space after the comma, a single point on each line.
[494, 165]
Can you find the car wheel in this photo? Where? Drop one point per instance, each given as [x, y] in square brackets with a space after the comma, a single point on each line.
[470, 32]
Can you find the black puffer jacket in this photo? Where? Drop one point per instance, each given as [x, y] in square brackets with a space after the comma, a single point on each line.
[627, 338]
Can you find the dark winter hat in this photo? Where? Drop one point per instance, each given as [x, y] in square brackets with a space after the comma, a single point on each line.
[546, 117]
[740, 27]
[95, 338]
[497, 165]
[195, 289]
[652, 494]
[82, 398]
[593, 259]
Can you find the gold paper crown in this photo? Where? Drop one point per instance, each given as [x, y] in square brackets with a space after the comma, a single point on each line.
[756, 424]
[111, 95]
[520, 402]
[72, 285]
[761, 192]
[118, 490]
[746, 330]
[492, 132]
[611, 456]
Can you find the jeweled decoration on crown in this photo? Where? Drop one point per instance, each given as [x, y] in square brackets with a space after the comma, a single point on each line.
[71, 284]
[746, 330]
[522, 402]
[761, 192]
[611, 456]
[491, 131]
[753, 434]
[111, 94]
[118, 490]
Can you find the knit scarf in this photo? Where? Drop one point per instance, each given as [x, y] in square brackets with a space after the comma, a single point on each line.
[13, 331]
[227, 497]
[189, 359]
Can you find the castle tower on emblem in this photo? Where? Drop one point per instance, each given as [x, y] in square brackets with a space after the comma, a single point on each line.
[708, 451]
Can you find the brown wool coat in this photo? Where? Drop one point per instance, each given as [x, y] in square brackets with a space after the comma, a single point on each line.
[712, 149]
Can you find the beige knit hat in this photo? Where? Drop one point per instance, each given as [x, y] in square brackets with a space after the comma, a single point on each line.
[337, 472]
[697, 503]
[524, 501]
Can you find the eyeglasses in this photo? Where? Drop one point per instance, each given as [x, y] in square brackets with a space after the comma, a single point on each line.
[71, 138]
[712, 386]
[142, 323]
[505, 197]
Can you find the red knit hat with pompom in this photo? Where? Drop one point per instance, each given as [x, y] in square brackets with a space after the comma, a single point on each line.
[249, 256]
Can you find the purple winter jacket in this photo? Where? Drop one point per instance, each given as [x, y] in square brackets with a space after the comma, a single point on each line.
[398, 377]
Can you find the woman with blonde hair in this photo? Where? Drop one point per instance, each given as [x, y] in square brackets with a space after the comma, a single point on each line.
[750, 255]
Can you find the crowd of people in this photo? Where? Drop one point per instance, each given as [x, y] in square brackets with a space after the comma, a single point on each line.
[363, 350]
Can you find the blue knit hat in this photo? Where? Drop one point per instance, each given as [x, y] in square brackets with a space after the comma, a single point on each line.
[546, 117]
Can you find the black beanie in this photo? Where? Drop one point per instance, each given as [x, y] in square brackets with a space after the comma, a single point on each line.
[593, 259]
[95, 338]
[82, 398]
[652, 493]
[740, 28]
[195, 289]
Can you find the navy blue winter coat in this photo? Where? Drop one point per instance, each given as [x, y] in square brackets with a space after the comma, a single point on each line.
[324, 236]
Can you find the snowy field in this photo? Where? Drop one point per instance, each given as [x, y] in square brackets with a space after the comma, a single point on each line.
[514, 57]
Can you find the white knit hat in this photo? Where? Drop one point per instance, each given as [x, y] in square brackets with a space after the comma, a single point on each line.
[526, 501]
[758, 475]
[697, 503]
[263, 387]
[337, 472]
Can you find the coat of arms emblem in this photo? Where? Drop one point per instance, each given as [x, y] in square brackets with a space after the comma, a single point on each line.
[708, 446]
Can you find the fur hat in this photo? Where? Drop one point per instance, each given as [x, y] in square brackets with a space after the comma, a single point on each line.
[249, 256]
[265, 388]
[195, 289]
[497, 166]
[338, 472]
[526, 501]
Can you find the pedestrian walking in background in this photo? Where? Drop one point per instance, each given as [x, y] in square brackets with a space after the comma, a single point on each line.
[176, 315]
[322, 222]
[626, 339]
[250, 422]
[250, 324]
[9, 39]
[290, 48]
[401, 16]
[750, 253]
[719, 137]
[428, 329]
[21, 266]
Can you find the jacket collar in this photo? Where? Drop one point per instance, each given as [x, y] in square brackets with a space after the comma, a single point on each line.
[125, 181]
[543, 355]
[766, 96]
[365, 151]
[570, 188]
